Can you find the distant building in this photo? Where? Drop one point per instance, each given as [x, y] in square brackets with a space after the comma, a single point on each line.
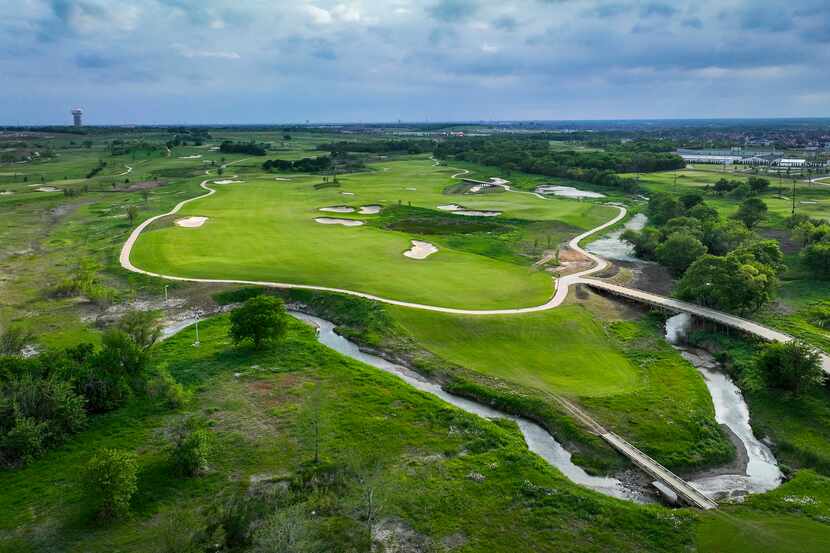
[77, 113]
[791, 162]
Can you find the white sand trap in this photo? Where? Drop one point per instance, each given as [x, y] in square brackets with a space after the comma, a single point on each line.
[807, 202]
[567, 192]
[335, 221]
[46, 189]
[281, 178]
[476, 213]
[450, 207]
[191, 222]
[195, 156]
[420, 250]
[412, 189]
[369, 209]
[6, 193]
[348, 193]
[338, 209]
[226, 181]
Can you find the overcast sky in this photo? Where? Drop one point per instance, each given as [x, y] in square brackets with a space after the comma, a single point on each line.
[278, 61]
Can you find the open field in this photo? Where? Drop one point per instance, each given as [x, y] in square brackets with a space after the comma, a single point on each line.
[264, 229]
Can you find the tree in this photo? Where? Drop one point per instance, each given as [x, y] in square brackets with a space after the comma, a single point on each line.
[261, 319]
[109, 482]
[704, 213]
[752, 212]
[679, 251]
[724, 236]
[662, 207]
[728, 283]
[644, 242]
[816, 257]
[142, 326]
[792, 366]
[758, 185]
[132, 214]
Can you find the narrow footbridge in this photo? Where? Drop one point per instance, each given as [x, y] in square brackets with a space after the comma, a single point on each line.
[719, 317]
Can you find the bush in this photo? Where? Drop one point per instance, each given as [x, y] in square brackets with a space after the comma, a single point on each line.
[165, 388]
[109, 482]
[190, 448]
[13, 340]
[261, 319]
[34, 414]
[792, 366]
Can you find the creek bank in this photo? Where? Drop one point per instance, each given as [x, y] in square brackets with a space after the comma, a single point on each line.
[537, 438]
[756, 469]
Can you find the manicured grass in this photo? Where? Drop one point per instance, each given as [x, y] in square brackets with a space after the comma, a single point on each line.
[265, 230]
[563, 350]
[626, 374]
[752, 532]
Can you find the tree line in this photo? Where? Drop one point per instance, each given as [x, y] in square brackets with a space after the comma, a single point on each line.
[249, 148]
[380, 146]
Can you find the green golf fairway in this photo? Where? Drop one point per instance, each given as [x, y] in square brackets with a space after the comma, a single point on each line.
[264, 229]
[562, 350]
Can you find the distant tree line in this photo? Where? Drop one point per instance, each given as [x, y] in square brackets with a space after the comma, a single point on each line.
[536, 156]
[249, 148]
[304, 165]
[380, 146]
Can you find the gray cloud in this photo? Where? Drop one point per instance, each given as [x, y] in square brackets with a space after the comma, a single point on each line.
[390, 59]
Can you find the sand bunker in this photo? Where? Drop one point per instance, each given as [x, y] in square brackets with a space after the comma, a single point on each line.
[46, 189]
[338, 209]
[226, 181]
[412, 189]
[809, 202]
[281, 178]
[476, 213]
[369, 209]
[195, 156]
[567, 192]
[335, 221]
[191, 222]
[450, 207]
[420, 250]
[348, 193]
[6, 193]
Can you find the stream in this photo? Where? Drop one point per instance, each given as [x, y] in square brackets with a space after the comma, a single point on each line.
[611, 247]
[761, 473]
[537, 438]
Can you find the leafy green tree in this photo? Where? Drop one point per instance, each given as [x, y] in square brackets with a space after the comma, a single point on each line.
[758, 185]
[752, 212]
[704, 213]
[817, 258]
[740, 192]
[644, 242]
[689, 225]
[662, 207]
[132, 214]
[727, 283]
[691, 199]
[261, 319]
[679, 251]
[724, 236]
[109, 481]
[792, 366]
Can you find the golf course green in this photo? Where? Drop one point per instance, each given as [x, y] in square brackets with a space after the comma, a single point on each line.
[264, 229]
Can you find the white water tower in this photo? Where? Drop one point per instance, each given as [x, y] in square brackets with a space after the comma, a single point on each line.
[77, 113]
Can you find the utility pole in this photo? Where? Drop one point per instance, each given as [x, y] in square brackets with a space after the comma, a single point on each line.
[793, 199]
[197, 342]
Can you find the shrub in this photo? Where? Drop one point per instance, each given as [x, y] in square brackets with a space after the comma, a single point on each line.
[190, 448]
[261, 319]
[13, 340]
[109, 480]
[792, 366]
[165, 388]
[142, 327]
[24, 441]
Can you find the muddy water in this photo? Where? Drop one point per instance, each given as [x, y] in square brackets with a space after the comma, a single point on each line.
[612, 247]
[538, 440]
[762, 472]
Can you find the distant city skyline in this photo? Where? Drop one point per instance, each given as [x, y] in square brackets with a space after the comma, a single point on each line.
[246, 62]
